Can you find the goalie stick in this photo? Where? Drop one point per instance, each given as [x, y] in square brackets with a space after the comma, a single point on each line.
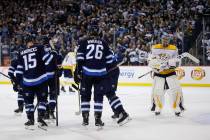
[189, 56]
[181, 56]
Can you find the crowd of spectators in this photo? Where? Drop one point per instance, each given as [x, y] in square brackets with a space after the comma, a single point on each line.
[206, 45]
[133, 25]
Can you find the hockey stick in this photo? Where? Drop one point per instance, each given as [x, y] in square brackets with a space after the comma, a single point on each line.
[5, 75]
[119, 64]
[181, 56]
[13, 82]
[57, 89]
[188, 55]
[144, 74]
[76, 87]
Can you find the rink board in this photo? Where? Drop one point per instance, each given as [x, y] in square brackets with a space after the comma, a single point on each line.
[189, 76]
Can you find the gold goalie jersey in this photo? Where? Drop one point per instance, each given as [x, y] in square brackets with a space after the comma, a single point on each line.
[69, 61]
[163, 54]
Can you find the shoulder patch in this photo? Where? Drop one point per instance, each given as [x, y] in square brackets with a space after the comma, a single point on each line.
[157, 46]
[160, 46]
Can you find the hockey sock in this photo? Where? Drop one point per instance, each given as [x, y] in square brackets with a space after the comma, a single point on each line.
[98, 106]
[85, 106]
[116, 105]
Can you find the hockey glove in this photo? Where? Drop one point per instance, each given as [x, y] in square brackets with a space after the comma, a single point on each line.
[17, 87]
[77, 76]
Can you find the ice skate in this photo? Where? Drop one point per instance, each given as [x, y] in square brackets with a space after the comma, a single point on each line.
[18, 111]
[123, 118]
[85, 119]
[181, 107]
[29, 125]
[178, 114]
[157, 113]
[71, 90]
[115, 116]
[153, 107]
[98, 122]
[42, 124]
[63, 89]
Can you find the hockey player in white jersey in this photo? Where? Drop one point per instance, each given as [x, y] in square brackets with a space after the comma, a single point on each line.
[163, 61]
[68, 66]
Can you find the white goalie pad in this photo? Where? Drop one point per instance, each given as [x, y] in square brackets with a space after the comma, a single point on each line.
[175, 92]
[158, 85]
[158, 92]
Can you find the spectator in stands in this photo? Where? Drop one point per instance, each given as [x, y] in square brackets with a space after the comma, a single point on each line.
[133, 22]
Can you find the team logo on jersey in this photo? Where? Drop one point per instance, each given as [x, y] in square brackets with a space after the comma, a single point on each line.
[197, 73]
[180, 73]
[164, 56]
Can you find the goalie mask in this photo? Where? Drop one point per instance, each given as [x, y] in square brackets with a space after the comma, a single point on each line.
[165, 39]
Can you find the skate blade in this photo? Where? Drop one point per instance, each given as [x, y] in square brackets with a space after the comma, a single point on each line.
[42, 127]
[50, 121]
[99, 128]
[157, 113]
[30, 127]
[183, 110]
[128, 119]
[115, 119]
[18, 114]
[85, 127]
[179, 114]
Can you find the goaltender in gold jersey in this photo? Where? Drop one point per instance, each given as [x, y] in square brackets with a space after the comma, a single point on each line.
[163, 61]
[68, 66]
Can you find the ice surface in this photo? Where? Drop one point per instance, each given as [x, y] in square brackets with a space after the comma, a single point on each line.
[193, 125]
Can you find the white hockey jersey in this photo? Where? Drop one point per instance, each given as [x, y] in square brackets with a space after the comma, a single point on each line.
[164, 53]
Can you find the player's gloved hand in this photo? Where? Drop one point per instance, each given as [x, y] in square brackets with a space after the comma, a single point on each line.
[17, 87]
[60, 71]
[77, 76]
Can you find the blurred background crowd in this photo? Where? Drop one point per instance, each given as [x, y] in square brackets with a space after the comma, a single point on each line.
[132, 25]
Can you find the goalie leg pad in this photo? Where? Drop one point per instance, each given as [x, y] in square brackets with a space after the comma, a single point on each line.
[175, 92]
[158, 92]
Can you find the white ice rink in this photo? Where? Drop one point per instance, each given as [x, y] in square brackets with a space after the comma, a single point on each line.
[193, 125]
